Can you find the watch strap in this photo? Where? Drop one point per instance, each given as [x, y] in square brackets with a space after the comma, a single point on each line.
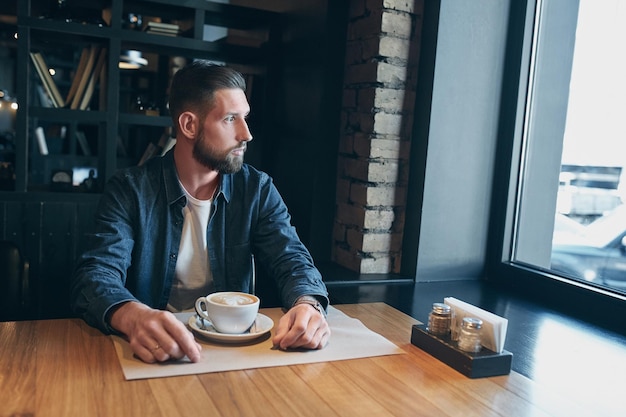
[313, 302]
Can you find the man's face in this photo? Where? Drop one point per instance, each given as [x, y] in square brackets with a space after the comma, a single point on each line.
[223, 135]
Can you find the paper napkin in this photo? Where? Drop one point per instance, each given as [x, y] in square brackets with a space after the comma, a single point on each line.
[494, 327]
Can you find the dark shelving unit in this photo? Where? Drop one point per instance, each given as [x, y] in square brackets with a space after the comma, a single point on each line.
[49, 221]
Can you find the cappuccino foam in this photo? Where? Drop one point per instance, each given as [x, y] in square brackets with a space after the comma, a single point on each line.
[232, 299]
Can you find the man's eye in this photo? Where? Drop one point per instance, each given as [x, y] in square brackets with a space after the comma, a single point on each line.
[230, 119]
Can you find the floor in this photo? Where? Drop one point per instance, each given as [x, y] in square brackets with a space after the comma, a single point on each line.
[548, 346]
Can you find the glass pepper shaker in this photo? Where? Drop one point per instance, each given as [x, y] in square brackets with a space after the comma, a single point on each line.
[439, 319]
[470, 335]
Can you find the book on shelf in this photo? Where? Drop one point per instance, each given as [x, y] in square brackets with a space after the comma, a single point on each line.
[121, 148]
[162, 33]
[162, 26]
[44, 98]
[82, 62]
[158, 28]
[165, 143]
[169, 144]
[46, 79]
[42, 143]
[150, 151]
[102, 97]
[84, 76]
[94, 77]
[83, 143]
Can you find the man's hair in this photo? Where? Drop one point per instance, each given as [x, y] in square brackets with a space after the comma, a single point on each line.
[193, 87]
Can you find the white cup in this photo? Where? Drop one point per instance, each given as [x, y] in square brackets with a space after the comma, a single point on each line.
[229, 312]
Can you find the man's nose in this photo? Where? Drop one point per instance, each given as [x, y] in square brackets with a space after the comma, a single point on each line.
[244, 134]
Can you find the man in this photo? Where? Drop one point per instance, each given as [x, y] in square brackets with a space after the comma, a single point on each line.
[188, 223]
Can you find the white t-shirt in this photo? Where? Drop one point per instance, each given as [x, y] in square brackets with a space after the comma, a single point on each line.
[193, 277]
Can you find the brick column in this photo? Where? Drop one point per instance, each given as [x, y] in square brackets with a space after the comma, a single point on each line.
[377, 112]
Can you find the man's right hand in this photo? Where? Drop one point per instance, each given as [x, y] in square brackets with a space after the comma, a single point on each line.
[154, 335]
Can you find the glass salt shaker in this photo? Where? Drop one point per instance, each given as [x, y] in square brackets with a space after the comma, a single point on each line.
[455, 326]
[469, 337]
[439, 319]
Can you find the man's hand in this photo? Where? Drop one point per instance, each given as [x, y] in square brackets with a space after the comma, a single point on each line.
[154, 335]
[302, 327]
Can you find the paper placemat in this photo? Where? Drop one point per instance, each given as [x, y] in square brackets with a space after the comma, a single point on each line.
[350, 339]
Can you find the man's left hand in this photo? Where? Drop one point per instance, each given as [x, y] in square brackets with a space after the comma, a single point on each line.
[302, 327]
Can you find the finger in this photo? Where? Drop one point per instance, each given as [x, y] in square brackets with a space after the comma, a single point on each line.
[284, 323]
[316, 335]
[159, 353]
[311, 339]
[324, 339]
[182, 342]
[158, 341]
[149, 351]
[303, 324]
[144, 354]
[296, 330]
[164, 331]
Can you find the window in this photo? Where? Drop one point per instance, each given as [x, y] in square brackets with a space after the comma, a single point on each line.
[563, 107]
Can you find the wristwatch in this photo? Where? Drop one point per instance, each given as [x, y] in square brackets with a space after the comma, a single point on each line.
[313, 302]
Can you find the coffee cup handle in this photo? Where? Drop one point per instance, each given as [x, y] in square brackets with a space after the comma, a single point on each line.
[201, 312]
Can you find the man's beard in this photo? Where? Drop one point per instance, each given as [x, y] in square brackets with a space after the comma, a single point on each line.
[225, 163]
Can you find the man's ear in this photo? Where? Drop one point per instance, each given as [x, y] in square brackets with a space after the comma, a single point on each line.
[188, 124]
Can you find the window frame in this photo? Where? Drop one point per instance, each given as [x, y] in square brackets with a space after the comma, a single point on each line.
[591, 303]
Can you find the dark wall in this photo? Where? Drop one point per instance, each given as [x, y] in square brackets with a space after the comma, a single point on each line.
[456, 132]
[302, 156]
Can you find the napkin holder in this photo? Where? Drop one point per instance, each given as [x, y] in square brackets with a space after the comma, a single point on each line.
[473, 365]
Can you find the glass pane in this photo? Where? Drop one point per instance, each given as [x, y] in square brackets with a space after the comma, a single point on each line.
[574, 145]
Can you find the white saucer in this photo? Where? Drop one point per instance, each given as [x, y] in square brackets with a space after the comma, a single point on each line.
[263, 325]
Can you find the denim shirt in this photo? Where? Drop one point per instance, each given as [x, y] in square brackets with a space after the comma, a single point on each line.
[132, 253]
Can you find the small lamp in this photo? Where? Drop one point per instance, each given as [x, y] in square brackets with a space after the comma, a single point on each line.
[132, 59]
[8, 109]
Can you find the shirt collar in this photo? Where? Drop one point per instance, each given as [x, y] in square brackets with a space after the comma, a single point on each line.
[173, 190]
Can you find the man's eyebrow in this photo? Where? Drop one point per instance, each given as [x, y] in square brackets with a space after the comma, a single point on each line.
[236, 113]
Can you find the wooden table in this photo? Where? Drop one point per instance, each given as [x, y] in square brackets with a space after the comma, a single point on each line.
[65, 368]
